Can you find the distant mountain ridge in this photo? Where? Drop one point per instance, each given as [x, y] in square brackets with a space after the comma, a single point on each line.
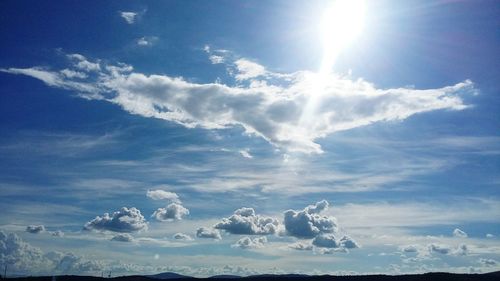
[438, 276]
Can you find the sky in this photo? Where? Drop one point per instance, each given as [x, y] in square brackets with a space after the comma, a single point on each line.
[248, 137]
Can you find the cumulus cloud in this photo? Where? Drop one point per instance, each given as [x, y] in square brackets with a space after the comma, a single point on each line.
[173, 211]
[488, 262]
[308, 223]
[163, 195]
[124, 220]
[205, 232]
[489, 235]
[409, 249]
[245, 221]
[129, 17]
[249, 243]
[182, 236]
[301, 246]
[459, 233]
[123, 237]
[19, 255]
[290, 111]
[326, 241]
[460, 250]
[35, 229]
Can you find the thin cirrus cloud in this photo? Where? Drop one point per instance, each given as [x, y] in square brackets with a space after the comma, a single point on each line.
[269, 105]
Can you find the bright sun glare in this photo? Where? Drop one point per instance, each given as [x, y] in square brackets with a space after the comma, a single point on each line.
[342, 22]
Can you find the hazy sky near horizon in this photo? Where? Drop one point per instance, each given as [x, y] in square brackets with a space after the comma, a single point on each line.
[226, 137]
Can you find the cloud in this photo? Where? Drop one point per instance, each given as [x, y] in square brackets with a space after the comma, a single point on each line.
[326, 241]
[308, 223]
[163, 195]
[489, 235]
[57, 233]
[205, 232]
[215, 59]
[125, 220]
[19, 255]
[290, 111]
[123, 237]
[488, 262]
[173, 211]
[249, 243]
[409, 249]
[129, 17]
[301, 246]
[245, 153]
[182, 236]
[147, 41]
[459, 233]
[35, 229]
[245, 221]
[460, 250]
[248, 69]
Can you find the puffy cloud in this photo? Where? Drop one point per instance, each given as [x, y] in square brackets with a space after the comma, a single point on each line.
[123, 237]
[326, 241]
[459, 233]
[173, 211]
[409, 249]
[489, 235]
[19, 255]
[70, 263]
[163, 195]
[248, 69]
[124, 220]
[460, 250]
[301, 246]
[439, 248]
[290, 111]
[488, 262]
[245, 221]
[249, 243]
[35, 229]
[129, 17]
[205, 232]
[308, 223]
[348, 243]
[182, 236]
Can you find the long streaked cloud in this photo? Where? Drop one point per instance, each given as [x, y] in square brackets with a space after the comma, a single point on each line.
[290, 111]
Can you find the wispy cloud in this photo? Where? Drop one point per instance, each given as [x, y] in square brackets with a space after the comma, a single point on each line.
[270, 107]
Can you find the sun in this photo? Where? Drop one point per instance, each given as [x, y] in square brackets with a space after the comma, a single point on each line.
[342, 22]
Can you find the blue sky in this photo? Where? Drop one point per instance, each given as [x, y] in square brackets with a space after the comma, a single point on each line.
[206, 137]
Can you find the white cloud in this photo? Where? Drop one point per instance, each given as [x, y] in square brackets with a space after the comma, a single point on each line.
[488, 262]
[249, 243]
[124, 220]
[129, 17]
[182, 236]
[147, 41]
[290, 114]
[308, 222]
[489, 235]
[248, 69]
[123, 237]
[215, 59]
[245, 221]
[301, 246]
[159, 194]
[35, 229]
[173, 211]
[245, 153]
[205, 232]
[459, 233]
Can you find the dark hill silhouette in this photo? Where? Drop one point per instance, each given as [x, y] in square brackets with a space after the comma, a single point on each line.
[438, 276]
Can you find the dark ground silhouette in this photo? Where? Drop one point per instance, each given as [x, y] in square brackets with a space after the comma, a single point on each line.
[413, 277]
